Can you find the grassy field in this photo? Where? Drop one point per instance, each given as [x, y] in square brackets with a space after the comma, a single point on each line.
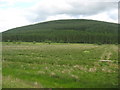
[42, 65]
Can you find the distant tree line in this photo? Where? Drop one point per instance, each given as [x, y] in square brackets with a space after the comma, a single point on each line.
[68, 32]
[67, 36]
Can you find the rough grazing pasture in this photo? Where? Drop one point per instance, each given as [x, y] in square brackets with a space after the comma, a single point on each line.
[56, 65]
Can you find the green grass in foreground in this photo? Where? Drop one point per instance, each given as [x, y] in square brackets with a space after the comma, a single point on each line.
[62, 65]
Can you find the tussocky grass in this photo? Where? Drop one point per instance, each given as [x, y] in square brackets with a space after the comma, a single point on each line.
[59, 65]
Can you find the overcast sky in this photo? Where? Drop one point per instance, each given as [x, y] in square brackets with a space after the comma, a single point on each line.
[15, 13]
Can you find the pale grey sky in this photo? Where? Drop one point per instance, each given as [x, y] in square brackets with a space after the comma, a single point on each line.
[15, 13]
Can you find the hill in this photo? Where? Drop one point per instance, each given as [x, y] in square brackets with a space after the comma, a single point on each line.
[72, 31]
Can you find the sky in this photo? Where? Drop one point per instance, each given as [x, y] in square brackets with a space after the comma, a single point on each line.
[16, 13]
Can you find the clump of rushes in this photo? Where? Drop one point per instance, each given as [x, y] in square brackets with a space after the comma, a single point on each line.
[19, 42]
[34, 42]
[48, 41]
[8, 42]
[14, 42]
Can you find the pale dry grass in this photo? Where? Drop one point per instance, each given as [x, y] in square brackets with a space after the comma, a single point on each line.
[17, 83]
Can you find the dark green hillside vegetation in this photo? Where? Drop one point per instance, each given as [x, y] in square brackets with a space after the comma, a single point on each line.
[67, 31]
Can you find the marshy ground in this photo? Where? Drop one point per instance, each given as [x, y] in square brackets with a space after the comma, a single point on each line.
[59, 65]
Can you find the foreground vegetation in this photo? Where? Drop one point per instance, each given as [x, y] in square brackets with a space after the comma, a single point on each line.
[59, 65]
